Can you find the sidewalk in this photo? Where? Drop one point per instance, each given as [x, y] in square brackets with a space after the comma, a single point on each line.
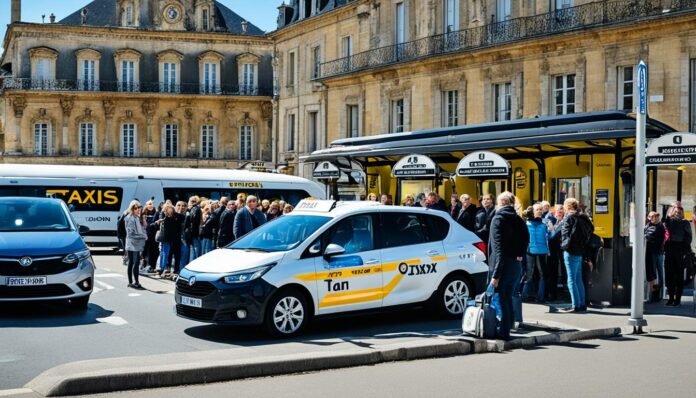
[304, 355]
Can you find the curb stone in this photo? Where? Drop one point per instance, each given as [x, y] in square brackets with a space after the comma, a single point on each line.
[110, 375]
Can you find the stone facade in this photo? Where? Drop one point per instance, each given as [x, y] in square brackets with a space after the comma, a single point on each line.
[184, 96]
[493, 70]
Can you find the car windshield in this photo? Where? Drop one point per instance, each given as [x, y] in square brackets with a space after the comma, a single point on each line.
[281, 234]
[26, 215]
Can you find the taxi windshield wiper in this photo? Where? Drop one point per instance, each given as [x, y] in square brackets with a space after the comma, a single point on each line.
[256, 249]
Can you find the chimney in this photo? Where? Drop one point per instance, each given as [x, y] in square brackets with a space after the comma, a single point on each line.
[52, 18]
[16, 11]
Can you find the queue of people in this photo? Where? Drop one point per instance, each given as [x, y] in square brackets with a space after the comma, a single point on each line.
[165, 239]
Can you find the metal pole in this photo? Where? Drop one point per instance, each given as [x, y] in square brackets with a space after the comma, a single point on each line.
[637, 320]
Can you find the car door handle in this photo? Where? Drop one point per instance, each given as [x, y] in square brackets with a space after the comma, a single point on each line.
[371, 262]
[432, 252]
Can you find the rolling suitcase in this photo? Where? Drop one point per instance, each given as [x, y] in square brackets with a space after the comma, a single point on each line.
[480, 319]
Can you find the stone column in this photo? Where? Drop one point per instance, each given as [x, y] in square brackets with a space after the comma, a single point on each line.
[19, 104]
[230, 151]
[149, 108]
[67, 104]
[109, 111]
[191, 151]
[266, 130]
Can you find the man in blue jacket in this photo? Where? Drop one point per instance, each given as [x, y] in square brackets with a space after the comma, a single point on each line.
[248, 218]
[509, 239]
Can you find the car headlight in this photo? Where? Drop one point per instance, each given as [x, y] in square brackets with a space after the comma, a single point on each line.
[248, 275]
[77, 256]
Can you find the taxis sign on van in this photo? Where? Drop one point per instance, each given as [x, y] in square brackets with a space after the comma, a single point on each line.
[88, 198]
[246, 184]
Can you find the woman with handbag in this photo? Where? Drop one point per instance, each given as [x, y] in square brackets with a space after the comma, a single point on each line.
[167, 236]
[135, 242]
[677, 253]
[654, 247]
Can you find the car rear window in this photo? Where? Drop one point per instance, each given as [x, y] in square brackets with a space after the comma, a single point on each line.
[402, 229]
[437, 227]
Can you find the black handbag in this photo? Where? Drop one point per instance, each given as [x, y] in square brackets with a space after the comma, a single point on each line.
[689, 267]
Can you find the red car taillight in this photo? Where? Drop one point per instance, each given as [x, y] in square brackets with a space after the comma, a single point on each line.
[481, 246]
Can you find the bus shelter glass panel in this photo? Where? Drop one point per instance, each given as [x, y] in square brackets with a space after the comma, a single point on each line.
[688, 194]
[493, 187]
[666, 188]
[413, 188]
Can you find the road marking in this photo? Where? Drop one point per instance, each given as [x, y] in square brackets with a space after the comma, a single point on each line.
[108, 275]
[16, 391]
[113, 320]
[104, 286]
[134, 295]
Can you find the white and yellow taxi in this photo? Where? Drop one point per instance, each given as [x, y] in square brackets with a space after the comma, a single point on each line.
[328, 258]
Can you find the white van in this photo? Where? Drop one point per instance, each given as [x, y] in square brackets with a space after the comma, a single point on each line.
[328, 258]
[97, 195]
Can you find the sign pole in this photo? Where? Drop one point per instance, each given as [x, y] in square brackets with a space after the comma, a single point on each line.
[637, 320]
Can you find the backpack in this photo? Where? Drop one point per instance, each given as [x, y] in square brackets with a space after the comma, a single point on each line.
[582, 231]
[121, 226]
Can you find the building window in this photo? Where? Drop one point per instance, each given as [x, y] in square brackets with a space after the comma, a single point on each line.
[86, 139]
[564, 94]
[205, 20]
[208, 142]
[502, 101]
[451, 15]
[43, 70]
[291, 132]
[169, 84]
[128, 83]
[400, 23]
[170, 141]
[245, 143]
[128, 140]
[625, 88]
[291, 69]
[129, 15]
[210, 81]
[89, 79]
[41, 139]
[692, 89]
[353, 121]
[316, 62]
[397, 116]
[504, 8]
[347, 46]
[451, 108]
[248, 79]
[312, 131]
[561, 4]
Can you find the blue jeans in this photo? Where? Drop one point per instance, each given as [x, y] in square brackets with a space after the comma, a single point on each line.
[206, 246]
[195, 249]
[164, 255]
[575, 287]
[509, 280]
[184, 256]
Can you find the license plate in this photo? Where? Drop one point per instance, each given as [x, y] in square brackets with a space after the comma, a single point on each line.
[191, 302]
[27, 281]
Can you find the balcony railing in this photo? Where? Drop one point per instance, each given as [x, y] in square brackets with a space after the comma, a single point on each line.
[568, 19]
[133, 87]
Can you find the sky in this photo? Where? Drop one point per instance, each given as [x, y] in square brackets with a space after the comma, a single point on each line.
[262, 13]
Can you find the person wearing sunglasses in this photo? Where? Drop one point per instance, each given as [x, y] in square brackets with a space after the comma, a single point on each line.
[135, 242]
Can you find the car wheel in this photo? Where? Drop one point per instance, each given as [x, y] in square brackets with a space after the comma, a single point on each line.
[286, 314]
[452, 295]
[80, 303]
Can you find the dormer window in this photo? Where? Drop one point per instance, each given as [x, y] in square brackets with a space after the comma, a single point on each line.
[205, 20]
[128, 12]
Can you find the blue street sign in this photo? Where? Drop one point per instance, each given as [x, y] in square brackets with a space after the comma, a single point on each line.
[642, 87]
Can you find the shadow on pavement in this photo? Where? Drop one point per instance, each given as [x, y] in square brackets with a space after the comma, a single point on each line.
[575, 344]
[413, 323]
[660, 336]
[48, 314]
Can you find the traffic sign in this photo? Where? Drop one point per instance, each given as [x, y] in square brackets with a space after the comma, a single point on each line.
[642, 88]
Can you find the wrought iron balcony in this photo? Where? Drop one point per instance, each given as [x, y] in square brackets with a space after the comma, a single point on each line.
[134, 87]
[601, 13]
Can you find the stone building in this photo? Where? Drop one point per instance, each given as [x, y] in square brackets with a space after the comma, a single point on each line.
[366, 67]
[133, 82]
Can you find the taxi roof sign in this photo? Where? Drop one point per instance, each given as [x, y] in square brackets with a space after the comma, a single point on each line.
[319, 206]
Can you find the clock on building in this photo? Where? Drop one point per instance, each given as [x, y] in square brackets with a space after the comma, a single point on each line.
[172, 13]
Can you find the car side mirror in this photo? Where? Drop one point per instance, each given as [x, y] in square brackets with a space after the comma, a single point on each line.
[315, 248]
[82, 229]
[333, 250]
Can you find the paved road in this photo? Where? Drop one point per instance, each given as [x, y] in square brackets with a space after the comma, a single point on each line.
[657, 365]
[126, 322]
